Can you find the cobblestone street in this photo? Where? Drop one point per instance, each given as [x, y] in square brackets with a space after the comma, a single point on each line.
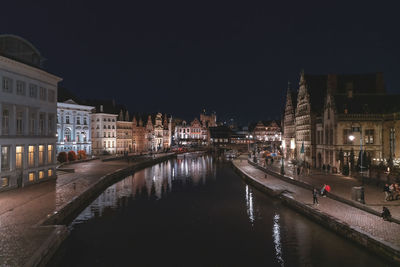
[341, 186]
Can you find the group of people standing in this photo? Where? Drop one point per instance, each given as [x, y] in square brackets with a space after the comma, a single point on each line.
[302, 169]
[392, 192]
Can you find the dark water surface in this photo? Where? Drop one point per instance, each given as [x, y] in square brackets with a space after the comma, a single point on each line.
[198, 212]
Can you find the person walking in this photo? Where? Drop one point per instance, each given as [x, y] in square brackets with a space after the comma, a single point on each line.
[315, 196]
[324, 168]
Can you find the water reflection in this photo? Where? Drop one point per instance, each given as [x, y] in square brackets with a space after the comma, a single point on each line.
[155, 182]
[249, 204]
[276, 233]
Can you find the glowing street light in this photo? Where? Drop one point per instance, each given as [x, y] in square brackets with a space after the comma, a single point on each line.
[351, 138]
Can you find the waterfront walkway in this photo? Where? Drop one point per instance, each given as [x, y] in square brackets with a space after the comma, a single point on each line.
[362, 221]
[341, 186]
[23, 210]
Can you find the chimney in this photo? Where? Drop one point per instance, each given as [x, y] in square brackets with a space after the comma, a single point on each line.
[101, 108]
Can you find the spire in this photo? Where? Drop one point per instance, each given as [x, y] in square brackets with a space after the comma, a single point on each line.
[126, 115]
[121, 116]
[134, 122]
[288, 93]
[165, 121]
[302, 79]
[140, 122]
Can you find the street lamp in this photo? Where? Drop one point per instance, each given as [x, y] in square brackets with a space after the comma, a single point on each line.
[351, 138]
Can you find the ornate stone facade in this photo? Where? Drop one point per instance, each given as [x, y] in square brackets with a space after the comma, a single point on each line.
[331, 108]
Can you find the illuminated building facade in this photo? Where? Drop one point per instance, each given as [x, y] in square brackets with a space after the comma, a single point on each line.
[28, 107]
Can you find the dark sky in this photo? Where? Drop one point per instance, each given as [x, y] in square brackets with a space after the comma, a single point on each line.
[231, 57]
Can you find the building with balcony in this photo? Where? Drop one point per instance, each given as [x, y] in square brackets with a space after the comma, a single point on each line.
[74, 127]
[28, 107]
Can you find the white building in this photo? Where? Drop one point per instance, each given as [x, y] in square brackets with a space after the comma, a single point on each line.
[28, 107]
[73, 127]
[104, 133]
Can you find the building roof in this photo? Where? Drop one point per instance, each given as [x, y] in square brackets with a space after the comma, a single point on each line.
[339, 84]
[367, 104]
[19, 49]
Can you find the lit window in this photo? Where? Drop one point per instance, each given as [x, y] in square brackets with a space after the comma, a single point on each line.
[31, 156]
[4, 181]
[31, 176]
[18, 156]
[41, 174]
[50, 154]
[49, 173]
[41, 155]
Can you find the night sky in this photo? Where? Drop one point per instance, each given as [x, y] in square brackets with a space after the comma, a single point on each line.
[234, 58]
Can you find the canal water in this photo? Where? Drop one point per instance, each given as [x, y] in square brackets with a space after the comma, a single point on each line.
[197, 211]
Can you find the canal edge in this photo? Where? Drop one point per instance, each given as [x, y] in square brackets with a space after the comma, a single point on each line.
[380, 247]
[60, 232]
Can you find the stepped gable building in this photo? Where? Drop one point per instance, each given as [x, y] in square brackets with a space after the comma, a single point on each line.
[28, 108]
[151, 132]
[330, 108]
[194, 133]
[74, 127]
[268, 133]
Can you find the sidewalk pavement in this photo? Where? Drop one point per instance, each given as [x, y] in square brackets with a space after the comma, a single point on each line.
[367, 222]
[341, 186]
[23, 210]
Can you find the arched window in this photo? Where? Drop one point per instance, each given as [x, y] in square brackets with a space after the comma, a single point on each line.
[67, 135]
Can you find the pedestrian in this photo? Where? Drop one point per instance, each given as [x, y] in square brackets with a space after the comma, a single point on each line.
[328, 168]
[386, 214]
[323, 190]
[315, 196]
[386, 191]
[323, 168]
[298, 170]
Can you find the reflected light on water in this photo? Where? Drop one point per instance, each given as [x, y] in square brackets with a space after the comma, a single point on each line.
[156, 181]
[276, 233]
[249, 204]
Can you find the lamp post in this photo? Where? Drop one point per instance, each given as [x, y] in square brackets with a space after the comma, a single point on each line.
[282, 166]
[351, 138]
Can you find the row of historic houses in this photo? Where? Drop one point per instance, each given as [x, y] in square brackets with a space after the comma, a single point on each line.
[329, 119]
[99, 130]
